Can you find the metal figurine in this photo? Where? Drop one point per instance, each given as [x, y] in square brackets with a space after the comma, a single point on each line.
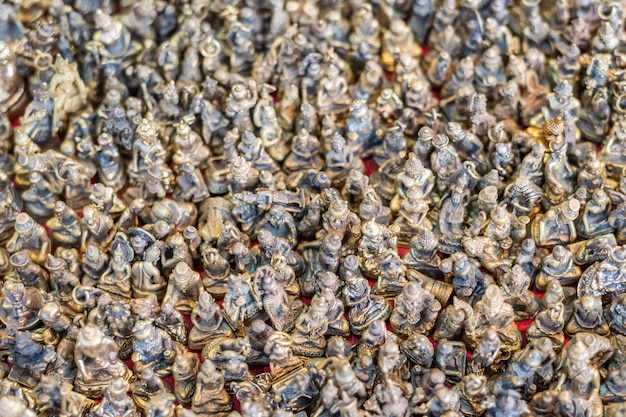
[184, 288]
[415, 310]
[28, 272]
[210, 397]
[515, 285]
[97, 361]
[559, 266]
[587, 317]
[153, 349]
[289, 168]
[116, 400]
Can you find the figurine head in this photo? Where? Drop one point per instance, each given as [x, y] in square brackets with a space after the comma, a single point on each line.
[16, 290]
[89, 339]
[337, 143]
[493, 298]
[397, 27]
[102, 20]
[419, 349]
[183, 275]
[161, 229]
[278, 216]
[140, 239]
[50, 313]
[426, 240]
[600, 197]
[358, 108]
[143, 329]
[475, 385]
[570, 209]
[491, 60]
[507, 399]
[19, 259]
[618, 254]
[563, 91]
[528, 246]
[240, 168]
[54, 264]
[117, 388]
[414, 194]
[24, 224]
[413, 291]
[92, 254]
[499, 215]
[456, 197]
[206, 301]
[440, 141]
[266, 239]
[208, 367]
[454, 131]
[372, 230]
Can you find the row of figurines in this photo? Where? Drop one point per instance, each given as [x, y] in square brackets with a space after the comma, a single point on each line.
[118, 39]
[498, 378]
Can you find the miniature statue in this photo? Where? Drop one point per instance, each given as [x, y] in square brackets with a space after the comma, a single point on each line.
[515, 287]
[415, 310]
[310, 329]
[64, 282]
[282, 360]
[116, 401]
[28, 272]
[173, 322]
[146, 277]
[30, 359]
[31, 237]
[274, 298]
[65, 228]
[184, 288]
[68, 90]
[97, 361]
[116, 279]
[549, 323]
[556, 226]
[577, 386]
[12, 87]
[98, 228]
[53, 397]
[361, 127]
[487, 355]
[593, 220]
[210, 397]
[492, 310]
[450, 358]
[184, 372]
[363, 307]
[559, 266]
[587, 317]
[10, 206]
[489, 73]
[148, 387]
[449, 323]
[241, 303]
[153, 349]
[468, 281]
[208, 323]
[451, 219]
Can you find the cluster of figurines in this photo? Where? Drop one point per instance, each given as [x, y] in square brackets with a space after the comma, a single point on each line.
[265, 208]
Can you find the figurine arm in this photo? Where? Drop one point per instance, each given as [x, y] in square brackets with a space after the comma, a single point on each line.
[80, 364]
